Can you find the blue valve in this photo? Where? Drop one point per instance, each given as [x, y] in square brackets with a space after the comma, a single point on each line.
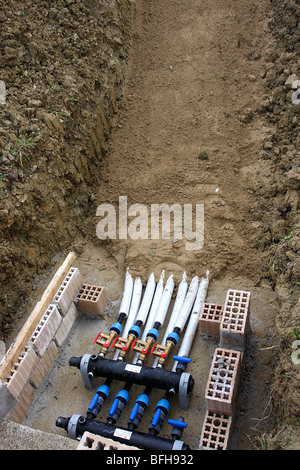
[133, 414]
[93, 402]
[142, 400]
[177, 423]
[104, 389]
[114, 407]
[156, 417]
[182, 359]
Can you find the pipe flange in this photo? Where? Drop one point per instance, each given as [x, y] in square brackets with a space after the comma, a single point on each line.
[72, 426]
[178, 445]
[84, 365]
[183, 390]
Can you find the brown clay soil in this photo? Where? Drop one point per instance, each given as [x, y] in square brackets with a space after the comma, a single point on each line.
[204, 117]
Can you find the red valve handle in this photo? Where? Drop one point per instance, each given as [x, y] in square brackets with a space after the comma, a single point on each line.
[152, 349]
[132, 346]
[97, 337]
[114, 341]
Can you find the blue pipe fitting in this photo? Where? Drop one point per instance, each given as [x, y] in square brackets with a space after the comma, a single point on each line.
[153, 332]
[135, 330]
[103, 389]
[117, 327]
[123, 394]
[174, 337]
[163, 403]
[143, 399]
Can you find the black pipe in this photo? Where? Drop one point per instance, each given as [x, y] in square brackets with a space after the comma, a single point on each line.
[140, 375]
[122, 435]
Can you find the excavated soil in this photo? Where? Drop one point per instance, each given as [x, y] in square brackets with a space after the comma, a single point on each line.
[205, 116]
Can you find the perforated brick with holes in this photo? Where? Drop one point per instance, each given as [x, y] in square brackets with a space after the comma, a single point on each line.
[92, 299]
[46, 329]
[235, 319]
[222, 382]
[68, 290]
[216, 431]
[21, 371]
[90, 441]
[210, 319]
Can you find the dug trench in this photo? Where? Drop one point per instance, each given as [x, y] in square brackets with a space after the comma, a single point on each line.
[161, 102]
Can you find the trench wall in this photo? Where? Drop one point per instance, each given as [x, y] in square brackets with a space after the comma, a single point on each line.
[64, 70]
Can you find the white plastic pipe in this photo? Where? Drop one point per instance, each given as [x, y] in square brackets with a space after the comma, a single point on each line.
[134, 306]
[191, 329]
[181, 293]
[135, 303]
[156, 299]
[147, 299]
[165, 301]
[187, 304]
[127, 293]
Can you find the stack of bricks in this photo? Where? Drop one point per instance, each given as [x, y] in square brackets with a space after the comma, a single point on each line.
[226, 368]
[92, 299]
[39, 354]
[220, 399]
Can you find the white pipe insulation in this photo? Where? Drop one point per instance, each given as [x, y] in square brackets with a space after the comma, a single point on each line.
[127, 293]
[165, 300]
[156, 299]
[134, 306]
[191, 329]
[181, 293]
[147, 299]
[187, 304]
[159, 311]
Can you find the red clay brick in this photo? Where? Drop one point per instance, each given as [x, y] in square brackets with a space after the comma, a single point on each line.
[21, 371]
[46, 329]
[92, 299]
[91, 441]
[24, 401]
[216, 431]
[223, 381]
[68, 290]
[210, 319]
[235, 319]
